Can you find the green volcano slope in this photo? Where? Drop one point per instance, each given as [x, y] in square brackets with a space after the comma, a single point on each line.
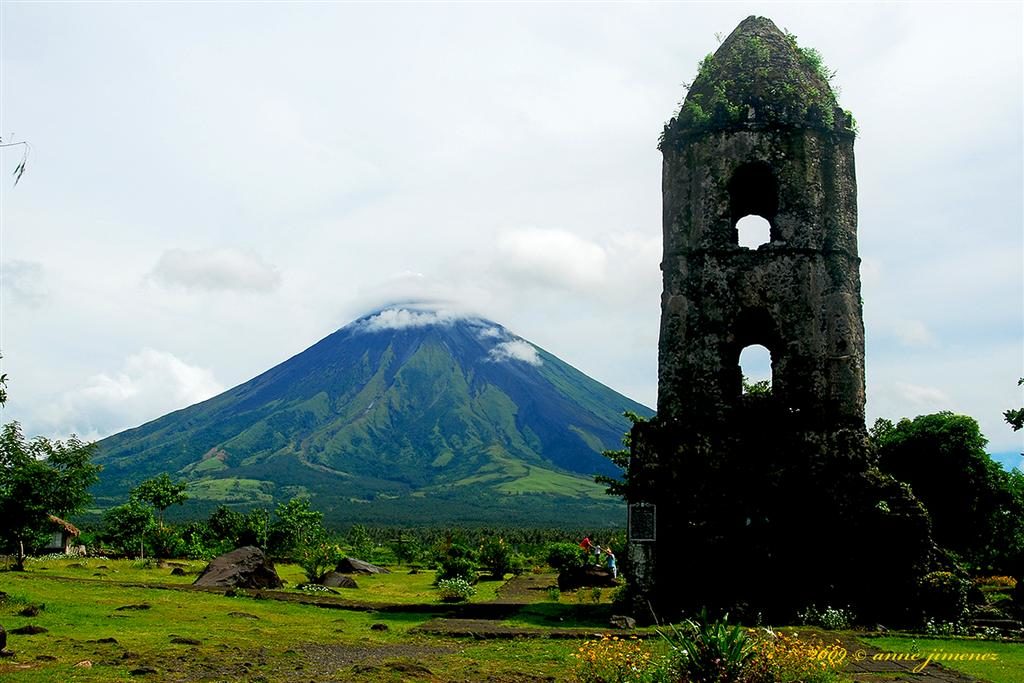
[407, 415]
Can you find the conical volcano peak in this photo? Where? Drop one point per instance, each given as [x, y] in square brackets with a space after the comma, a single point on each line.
[490, 341]
[759, 77]
[409, 413]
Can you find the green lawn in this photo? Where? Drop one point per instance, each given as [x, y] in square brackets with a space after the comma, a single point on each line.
[191, 635]
[1008, 658]
[398, 587]
[238, 638]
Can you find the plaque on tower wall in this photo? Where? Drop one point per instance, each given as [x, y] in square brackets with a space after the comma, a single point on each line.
[642, 522]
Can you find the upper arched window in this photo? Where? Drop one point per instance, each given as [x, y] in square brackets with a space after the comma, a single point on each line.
[753, 203]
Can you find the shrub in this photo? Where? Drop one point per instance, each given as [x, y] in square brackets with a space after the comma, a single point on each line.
[943, 596]
[566, 556]
[613, 659]
[554, 594]
[496, 557]
[830, 618]
[706, 651]
[458, 561]
[165, 542]
[944, 628]
[455, 590]
[778, 657]
[996, 582]
[318, 558]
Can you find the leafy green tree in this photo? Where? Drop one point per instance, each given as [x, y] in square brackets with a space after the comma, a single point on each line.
[256, 528]
[760, 388]
[126, 525]
[225, 525]
[405, 547]
[1014, 416]
[566, 556]
[359, 541]
[39, 478]
[458, 561]
[499, 558]
[317, 555]
[620, 458]
[296, 526]
[299, 533]
[976, 507]
[161, 492]
[165, 541]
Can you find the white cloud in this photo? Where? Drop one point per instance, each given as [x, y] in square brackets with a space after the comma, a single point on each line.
[490, 333]
[923, 396]
[406, 318]
[552, 257]
[223, 269]
[149, 384]
[517, 349]
[24, 282]
[914, 333]
[226, 143]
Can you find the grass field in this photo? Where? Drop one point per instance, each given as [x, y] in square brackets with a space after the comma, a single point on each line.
[186, 635]
[1005, 663]
[119, 620]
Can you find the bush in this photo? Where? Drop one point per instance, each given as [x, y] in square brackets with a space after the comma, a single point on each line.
[943, 597]
[458, 561]
[706, 651]
[165, 542]
[455, 590]
[318, 558]
[778, 657]
[498, 558]
[996, 582]
[830, 618]
[617, 659]
[566, 556]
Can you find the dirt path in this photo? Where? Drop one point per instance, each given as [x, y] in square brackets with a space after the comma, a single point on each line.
[527, 589]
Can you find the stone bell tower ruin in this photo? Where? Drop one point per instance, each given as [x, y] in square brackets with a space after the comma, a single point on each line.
[761, 503]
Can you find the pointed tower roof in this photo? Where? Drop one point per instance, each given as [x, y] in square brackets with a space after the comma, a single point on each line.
[759, 77]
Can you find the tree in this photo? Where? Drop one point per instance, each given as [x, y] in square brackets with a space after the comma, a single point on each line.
[359, 541]
[299, 532]
[620, 459]
[161, 492]
[1015, 416]
[39, 478]
[256, 528]
[126, 525]
[976, 507]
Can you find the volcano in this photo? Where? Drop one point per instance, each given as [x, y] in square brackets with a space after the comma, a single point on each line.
[406, 415]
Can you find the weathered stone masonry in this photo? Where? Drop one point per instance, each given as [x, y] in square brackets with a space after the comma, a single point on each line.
[766, 503]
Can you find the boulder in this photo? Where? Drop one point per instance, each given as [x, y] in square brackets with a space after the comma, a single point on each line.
[588, 576]
[622, 621]
[245, 567]
[351, 565]
[337, 580]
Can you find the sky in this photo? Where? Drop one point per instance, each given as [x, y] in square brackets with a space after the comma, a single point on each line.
[213, 187]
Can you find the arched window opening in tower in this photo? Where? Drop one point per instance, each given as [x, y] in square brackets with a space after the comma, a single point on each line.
[756, 370]
[753, 195]
[753, 231]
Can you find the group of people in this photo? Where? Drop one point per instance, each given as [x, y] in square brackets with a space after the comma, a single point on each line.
[594, 551]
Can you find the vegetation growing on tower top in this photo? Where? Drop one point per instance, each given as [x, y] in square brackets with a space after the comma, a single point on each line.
[760, 76]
